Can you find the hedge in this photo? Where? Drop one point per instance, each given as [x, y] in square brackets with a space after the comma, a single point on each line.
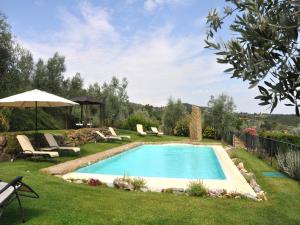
[280, 136]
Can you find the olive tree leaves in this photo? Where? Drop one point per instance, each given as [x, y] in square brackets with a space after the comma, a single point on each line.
[264, 51]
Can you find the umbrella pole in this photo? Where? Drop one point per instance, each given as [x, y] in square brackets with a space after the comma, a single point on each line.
[35, 117]
[35, 138]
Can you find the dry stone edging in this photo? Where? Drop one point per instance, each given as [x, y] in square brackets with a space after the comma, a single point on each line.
[72, 165]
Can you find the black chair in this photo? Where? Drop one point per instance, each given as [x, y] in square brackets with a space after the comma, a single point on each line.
[14, 190]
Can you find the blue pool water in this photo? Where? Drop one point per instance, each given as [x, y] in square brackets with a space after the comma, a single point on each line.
[170, 161]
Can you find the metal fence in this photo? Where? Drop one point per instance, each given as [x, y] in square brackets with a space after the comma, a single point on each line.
[283, 155]
[268, 148]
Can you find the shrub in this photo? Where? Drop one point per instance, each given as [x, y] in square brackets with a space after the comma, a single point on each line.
[251, 131]
[133, 120]
[281, 136]
[209, 132]
[138, 183]
[4, 123]
[182, 127]
[289, 163]
[94, 182]
[196, 188]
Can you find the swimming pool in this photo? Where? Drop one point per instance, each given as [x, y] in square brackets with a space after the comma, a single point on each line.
[165, 161]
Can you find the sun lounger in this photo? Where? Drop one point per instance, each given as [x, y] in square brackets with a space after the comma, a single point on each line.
[155, 131]
[108, 138]
[14, 190]
[140, 130]
[28, 150]
[114, 134]
[53, 144]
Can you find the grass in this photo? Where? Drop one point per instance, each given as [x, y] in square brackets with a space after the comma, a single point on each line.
[66, 203]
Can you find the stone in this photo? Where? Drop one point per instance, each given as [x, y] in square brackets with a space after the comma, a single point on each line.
[250, 196]
[123, 184]
[78, 181]
[262, 195]
[195, 124]
[237, 197]
[257, 189]
[235, 160]
[214, 192]
[240, 166]
[144, 189]
[178, 191]
[84, 136]
[253, 183]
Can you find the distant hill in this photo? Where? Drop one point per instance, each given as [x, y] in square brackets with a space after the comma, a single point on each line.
[286, 120]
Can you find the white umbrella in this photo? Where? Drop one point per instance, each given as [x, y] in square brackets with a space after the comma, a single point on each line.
[35, 99]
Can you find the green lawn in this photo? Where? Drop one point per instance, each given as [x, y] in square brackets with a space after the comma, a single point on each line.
[67, 203]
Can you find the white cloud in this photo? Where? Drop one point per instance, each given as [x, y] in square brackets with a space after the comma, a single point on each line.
[151, 5]
[156, 64]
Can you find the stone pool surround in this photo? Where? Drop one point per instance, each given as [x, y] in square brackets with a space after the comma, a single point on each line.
[234, 182]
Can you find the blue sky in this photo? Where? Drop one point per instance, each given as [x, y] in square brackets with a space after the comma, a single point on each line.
[156, 44]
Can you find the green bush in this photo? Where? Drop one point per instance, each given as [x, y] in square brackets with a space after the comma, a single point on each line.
[138, 183]
[4, 123]
[209, 132]
[133, 120]
[182, 127]
[280, 136]
[288, 162]
[196, 188]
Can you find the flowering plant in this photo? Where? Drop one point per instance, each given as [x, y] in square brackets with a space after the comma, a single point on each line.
[94, 182]
[251, 131]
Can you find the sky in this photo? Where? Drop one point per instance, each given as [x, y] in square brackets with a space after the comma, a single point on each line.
[158, 45]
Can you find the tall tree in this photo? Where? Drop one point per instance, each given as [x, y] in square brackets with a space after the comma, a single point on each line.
[55, 74]
[6, 57]
[115, 98]
[23, 70]
[39, 77]
[76, 86]
[220, 114]
[264, 50]
[173, 112]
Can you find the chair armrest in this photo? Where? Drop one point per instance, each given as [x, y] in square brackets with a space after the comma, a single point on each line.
[13, 184]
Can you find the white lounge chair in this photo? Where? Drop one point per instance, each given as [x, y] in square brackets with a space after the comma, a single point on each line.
[30, 151]
[107, 138]
[155, 131]
[140, 130]
[53, 144]
[114, 134]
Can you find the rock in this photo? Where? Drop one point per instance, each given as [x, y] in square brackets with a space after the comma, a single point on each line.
[214, 192]
[144, 189]
[257, 189]
[78, 181]
[178, 191]
[240, 166]
[122, 184]
[237, 197]
[235, 160]
[250, 196]
[253, 183]
[244, 170]
[262, 195]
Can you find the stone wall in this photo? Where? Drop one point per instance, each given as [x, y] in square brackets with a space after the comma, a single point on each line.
[195, 124]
